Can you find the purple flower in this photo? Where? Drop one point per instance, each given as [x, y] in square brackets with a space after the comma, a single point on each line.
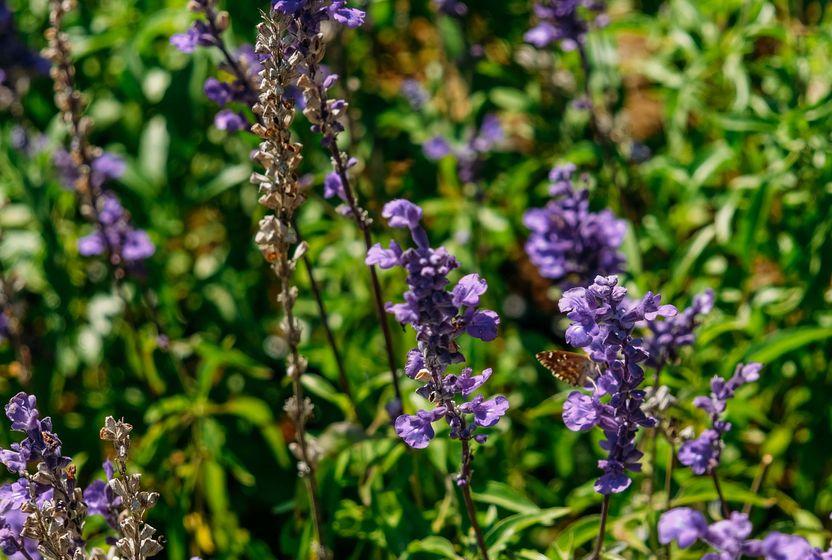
[13, 496]
[115, 234]
[486, 412]
[230, 121]
[349, 17]
[417, 430]
[483, 325]
[669, 336]
[439, 316]
[217, 91]
[415, 94]
[384, 258]
[23, 413]
[436, 148]
[101, 499]
[563, 21]
[603, 321]
[489, 135]
[683, 525]
[402, 213]
[703, 454]
[569, 243]
[186, 42]
[40, 443]
[466, 384]
[730, 538]
[580, 412]
[15, 55]
[334, 187]
[137, 246]
[106, 167]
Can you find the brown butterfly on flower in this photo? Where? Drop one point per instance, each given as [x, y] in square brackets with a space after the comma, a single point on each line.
[569, 367]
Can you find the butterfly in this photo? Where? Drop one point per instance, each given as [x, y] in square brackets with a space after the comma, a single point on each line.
[569, 367]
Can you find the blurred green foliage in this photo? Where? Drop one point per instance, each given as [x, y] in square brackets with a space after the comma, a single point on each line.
[732, 98]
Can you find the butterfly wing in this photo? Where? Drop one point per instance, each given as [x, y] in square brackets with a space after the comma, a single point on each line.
[569, 367]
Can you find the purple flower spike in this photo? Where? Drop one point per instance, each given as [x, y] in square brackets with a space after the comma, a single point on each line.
[703, 454]
[668, 337]
[569, 243]
[729, 538]
[565, 22]
[439, 316]
[603, 320]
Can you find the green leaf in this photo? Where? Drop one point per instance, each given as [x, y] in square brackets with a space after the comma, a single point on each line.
[785, 341]
[505, 530]
[503, 495]
[434, 545]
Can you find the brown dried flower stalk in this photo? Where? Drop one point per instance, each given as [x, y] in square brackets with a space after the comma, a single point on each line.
[277, 239]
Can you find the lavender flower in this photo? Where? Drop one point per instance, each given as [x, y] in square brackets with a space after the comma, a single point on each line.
[439, 316]
[243, 65]
[569, 243]
[415, 94]
[730, 538]
[87, 168]
[470, 156]
[602, 323]
[702, 454]
[564, 22]
[43, 512]
[17, 63]
[115, 235]
[668, 337]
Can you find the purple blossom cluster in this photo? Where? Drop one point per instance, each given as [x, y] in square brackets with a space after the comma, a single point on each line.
[242, 65]
[730, 538]
[603, 321]
[317, 11]
[702, 454]
[439, 316]
[415, 94]
[565, 22]
[15, 55]
[115, 236]
[43, 512]
[568, 242]
[469, 155]
[669, 336]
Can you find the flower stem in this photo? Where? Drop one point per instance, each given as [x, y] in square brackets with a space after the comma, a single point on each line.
[465, 483]
[765, 463]
[602, 530]
[723, 503]
[309, 464]
[364, 226]
[330, 336]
